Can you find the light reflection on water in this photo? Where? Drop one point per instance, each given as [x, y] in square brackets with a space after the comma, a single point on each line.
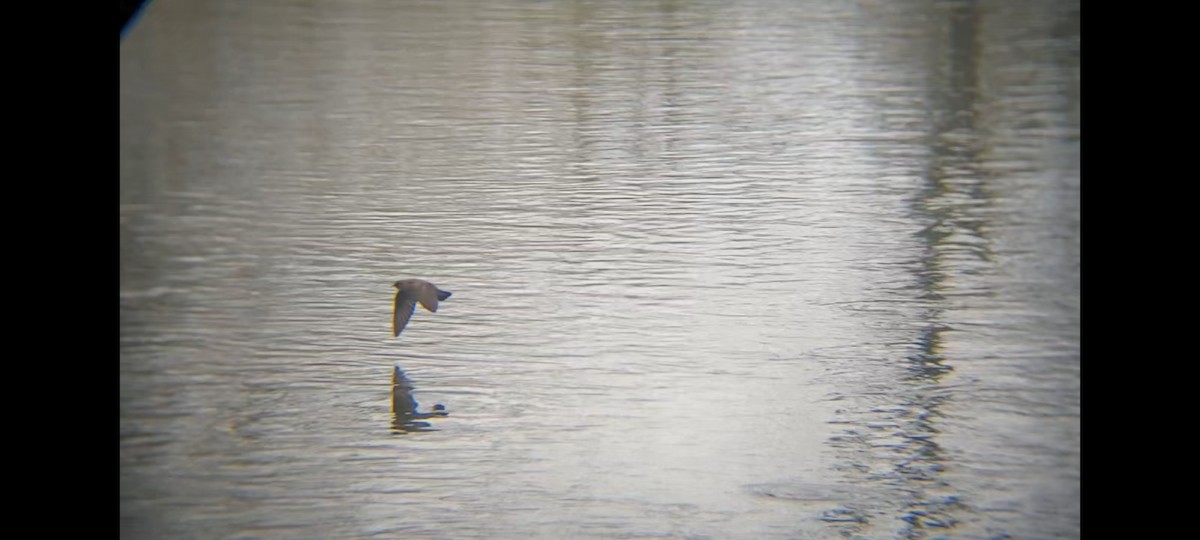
[762, 270]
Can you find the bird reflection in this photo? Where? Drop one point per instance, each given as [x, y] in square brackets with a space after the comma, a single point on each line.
[405, 415]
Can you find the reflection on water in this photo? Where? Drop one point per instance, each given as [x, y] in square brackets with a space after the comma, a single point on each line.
[406, 414]
[721, 270]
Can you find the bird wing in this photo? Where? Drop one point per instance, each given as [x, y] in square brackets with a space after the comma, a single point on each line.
[427, 294]
[402, 310]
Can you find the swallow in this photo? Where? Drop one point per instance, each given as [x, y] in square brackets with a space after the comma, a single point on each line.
[408, 293]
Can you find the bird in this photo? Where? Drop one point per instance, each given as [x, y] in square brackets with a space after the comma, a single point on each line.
[408, 293]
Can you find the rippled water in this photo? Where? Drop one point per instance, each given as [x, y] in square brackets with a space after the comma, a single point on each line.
[720, 269]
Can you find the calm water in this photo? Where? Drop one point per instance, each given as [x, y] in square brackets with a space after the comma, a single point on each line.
[756, 269]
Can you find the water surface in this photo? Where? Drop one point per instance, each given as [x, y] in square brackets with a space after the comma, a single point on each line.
[720, 269]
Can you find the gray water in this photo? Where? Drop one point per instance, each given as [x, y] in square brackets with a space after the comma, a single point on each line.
[757, 269]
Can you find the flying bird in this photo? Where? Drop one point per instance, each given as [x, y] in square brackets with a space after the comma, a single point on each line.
[408, 293]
